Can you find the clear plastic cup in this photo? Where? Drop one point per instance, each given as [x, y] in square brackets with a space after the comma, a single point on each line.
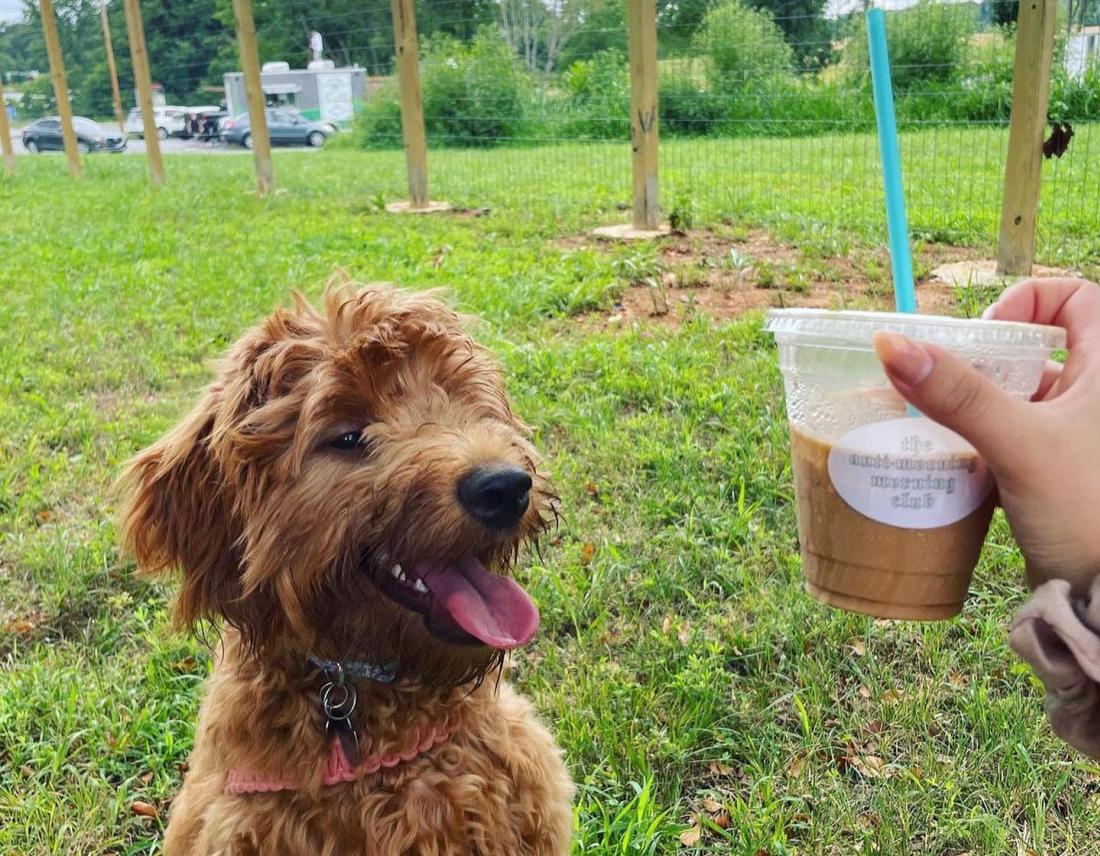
[892, 507]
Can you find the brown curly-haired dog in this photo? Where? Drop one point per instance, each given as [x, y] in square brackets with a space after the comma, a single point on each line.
[346, 500]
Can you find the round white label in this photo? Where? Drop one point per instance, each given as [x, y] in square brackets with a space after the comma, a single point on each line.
[909, 472]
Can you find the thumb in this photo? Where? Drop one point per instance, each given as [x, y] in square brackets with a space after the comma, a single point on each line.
[946, 389]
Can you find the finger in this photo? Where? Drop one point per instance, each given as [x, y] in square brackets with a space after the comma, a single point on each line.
[1073, 304]
[1052, 372]
[952, 393]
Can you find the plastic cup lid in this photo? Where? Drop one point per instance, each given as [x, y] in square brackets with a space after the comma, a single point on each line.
[824, 328]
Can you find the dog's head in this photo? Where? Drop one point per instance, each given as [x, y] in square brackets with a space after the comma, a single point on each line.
[353, 483]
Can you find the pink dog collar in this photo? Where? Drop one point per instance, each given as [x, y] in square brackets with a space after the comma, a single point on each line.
[337, 769]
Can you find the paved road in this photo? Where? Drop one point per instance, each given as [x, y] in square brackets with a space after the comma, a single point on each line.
[170, 146]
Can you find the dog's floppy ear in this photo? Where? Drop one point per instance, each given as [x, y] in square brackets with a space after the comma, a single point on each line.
[176, 515]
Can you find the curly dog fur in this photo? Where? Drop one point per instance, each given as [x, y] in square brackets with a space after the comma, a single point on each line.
[327, 451]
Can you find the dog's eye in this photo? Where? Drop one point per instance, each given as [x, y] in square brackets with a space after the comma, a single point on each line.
[347, 441]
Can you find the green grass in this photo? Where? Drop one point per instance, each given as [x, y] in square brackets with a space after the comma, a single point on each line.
[679, 660]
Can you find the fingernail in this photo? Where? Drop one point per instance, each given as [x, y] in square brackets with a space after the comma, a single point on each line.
[989, 312]
[906, 360]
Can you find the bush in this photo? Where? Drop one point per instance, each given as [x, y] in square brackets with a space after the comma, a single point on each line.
[926, 44]
[474, 95]
[1075, 100]
[687, 110]
[378, 124]
[742, 47]
[597, 103]
[38, 98]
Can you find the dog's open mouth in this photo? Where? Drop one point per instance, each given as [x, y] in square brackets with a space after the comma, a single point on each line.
[465, 603]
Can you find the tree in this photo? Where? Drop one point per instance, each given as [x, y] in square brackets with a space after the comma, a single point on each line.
[603, 28]
[804, 27]
[1004, 13]
[538, 30]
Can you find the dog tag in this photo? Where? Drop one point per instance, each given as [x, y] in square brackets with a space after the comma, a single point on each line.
[349, 739]
[338, 699]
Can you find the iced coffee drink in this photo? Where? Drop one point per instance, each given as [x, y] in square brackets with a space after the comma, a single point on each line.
[892, 507]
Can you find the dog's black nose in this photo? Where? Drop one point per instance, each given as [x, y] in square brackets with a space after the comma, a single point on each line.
[496, 496]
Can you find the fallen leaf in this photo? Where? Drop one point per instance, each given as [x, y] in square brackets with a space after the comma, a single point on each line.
[587, 552]
[722, 820]
[891, 696]
[713, 806]
[690, 837]
[666, 625]
[720, 769]
[24, 624]
[146, 778]
[797, 765]
[143, 808]
[592, 490]
[685, 633]
[187, 664]
[864, 692]
[868, 766]
[858, 648]
[867, 820]
[874, 726]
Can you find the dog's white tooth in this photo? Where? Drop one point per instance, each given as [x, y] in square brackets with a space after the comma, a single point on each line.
[420, 587]
[397, 573]
[401, 575]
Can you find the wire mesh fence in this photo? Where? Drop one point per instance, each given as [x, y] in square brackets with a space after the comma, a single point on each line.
[765, 105]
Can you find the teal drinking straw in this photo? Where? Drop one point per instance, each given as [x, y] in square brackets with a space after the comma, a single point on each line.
[898, 227]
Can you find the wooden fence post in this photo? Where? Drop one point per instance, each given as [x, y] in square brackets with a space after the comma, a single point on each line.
[412, 107]
[646, 220]
[412, 113]
[642, 25]
[60, 87]
[112, 69]
[5, 132]
[139, 57]
[254, 95]
[1024, 164]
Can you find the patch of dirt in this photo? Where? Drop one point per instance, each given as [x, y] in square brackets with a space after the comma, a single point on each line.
[722, 274]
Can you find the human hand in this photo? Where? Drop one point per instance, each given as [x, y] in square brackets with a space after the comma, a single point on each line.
[1045, 454]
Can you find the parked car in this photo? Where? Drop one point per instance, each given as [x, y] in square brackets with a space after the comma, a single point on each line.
[168, 121]
[285, 127]
[45, 135]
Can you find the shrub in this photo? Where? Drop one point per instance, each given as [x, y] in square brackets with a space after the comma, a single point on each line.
[38, 98]
[474, 94]
[687, 110]
[742, 47]
[378, 124]
[597, 101]
[925, 42]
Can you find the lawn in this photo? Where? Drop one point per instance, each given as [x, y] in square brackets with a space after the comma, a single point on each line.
[698, 693]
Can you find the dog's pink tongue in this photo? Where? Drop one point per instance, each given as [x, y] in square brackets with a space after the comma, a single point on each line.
[491, 608]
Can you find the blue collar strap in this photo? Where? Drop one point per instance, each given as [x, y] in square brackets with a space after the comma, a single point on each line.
[336, 670]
